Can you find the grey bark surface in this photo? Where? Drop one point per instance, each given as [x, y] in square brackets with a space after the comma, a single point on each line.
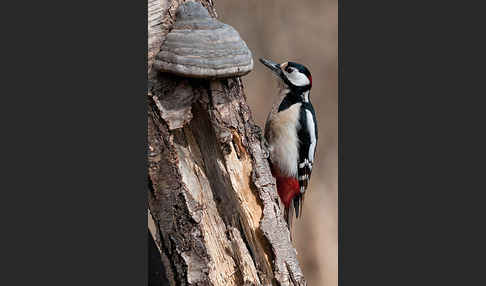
[213, 206]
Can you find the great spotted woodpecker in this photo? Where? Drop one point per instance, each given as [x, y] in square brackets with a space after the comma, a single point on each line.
[291, 134]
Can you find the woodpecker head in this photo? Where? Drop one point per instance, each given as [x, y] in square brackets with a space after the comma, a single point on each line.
[293, 75]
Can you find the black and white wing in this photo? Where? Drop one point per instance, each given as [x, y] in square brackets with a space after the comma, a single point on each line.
[307, 149]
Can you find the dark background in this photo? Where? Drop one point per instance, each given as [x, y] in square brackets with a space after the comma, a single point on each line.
[411, 147]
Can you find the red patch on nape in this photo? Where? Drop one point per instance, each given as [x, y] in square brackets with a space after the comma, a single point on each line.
[310, 79]
[287, 187]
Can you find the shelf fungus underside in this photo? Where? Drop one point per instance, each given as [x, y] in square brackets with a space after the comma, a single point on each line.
[202, 47]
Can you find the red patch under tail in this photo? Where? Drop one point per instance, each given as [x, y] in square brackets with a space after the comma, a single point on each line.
[288, 188]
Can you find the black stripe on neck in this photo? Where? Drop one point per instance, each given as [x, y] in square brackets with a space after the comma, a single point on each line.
[292, 97]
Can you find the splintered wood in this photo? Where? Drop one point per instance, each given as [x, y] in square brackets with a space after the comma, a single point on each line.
[214, 209]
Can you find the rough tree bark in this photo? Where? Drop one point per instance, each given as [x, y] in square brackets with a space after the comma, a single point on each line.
[212, 199]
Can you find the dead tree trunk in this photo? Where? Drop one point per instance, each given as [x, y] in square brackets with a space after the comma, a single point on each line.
[215, 210]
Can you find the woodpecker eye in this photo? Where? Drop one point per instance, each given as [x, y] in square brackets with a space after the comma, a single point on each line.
[289, 69]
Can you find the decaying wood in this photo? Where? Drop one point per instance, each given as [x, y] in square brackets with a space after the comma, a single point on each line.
[216, 214]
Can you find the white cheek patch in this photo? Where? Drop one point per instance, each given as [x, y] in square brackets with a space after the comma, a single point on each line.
[297, 78]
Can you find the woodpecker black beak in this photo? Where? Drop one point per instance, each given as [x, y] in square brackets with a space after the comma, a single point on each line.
[274, 67]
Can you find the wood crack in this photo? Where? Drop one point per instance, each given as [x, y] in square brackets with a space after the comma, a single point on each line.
[211, 192]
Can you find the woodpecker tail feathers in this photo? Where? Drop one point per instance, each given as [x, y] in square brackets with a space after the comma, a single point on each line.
[289, 217]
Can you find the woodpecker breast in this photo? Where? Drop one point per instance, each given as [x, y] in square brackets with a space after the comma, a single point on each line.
[281, 134]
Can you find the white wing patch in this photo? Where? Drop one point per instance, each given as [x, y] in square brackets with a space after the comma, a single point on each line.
[312, 131]
[306, 96]
[305, 166]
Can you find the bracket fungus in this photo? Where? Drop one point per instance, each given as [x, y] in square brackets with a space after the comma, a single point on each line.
[200, 46]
